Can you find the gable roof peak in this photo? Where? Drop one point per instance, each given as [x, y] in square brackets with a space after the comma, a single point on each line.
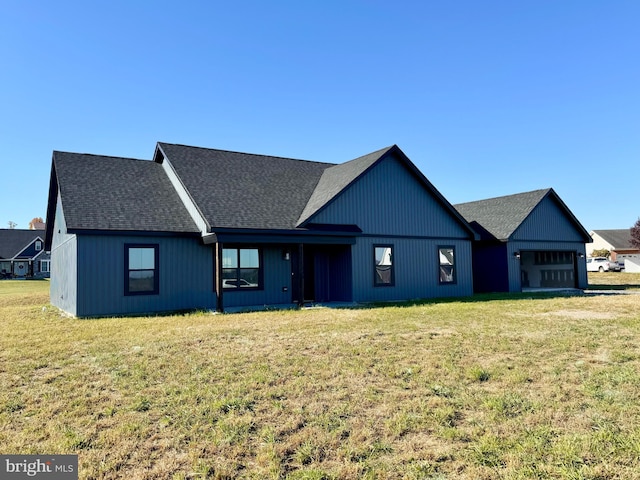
[500, 217]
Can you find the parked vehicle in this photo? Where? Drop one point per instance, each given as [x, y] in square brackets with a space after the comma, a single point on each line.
[598, 264]
[616, 266]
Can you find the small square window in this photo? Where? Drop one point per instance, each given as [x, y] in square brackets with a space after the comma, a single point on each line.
[241, 268]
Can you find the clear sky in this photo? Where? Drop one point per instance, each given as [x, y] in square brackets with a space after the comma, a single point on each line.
[487, 98]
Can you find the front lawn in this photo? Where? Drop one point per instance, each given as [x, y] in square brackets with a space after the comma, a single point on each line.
[512, 387]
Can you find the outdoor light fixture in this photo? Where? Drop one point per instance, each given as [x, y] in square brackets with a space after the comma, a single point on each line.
[580, 255]
[516, 254]
[286, 255]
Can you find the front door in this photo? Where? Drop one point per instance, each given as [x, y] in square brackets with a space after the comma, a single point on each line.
[20, 269]
[325, 274]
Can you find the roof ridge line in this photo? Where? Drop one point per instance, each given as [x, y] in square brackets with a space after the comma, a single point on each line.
[248, 153]
[102, 156]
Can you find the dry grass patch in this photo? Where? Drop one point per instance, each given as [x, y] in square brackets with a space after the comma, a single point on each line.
[511, 387]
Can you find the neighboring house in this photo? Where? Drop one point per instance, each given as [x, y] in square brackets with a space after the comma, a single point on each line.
[527, 240]
[618, 242]
[199, 228]
[22, 254]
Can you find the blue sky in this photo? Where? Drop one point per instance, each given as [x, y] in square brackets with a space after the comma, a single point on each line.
[487, 98]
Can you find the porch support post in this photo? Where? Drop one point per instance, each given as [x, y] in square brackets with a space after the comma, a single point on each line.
[300, 275]
[218, 276]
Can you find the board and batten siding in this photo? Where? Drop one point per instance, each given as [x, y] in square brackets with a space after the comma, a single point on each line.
[390, 200]
[185, 270]
[63, 287]
[276, 284]
[547, 222]
[393, 207]
[416, 264]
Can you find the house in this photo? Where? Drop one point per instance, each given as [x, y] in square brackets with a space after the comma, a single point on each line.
[618, 242]
[198, 228]
[527, 240]
[22, 254]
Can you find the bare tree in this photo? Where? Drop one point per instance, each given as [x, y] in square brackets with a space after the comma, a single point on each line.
[12, 225]
[635, 235]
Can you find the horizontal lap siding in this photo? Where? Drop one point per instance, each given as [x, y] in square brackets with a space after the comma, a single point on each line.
[416, 266]
[185, 269]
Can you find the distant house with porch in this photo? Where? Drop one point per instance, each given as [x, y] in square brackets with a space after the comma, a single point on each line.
[527, 240]
[22, 254]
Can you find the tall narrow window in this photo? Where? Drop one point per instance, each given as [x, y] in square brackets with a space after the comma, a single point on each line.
[383, 265]
[241, 268]
[38, 245]
[141, 269]
[447, 265]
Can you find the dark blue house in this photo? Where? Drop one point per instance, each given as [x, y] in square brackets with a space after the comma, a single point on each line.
[22, 254]
[529, 240]
[198, 228]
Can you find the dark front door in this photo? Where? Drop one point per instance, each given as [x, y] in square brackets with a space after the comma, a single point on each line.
[322, 273]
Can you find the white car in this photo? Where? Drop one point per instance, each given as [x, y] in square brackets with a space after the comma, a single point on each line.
[598, 264]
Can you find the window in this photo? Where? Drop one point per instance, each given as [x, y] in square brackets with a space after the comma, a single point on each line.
[141, 269]
[383, 265]
[45, 265]
[38, 245]
[447, 265]
[241, 268]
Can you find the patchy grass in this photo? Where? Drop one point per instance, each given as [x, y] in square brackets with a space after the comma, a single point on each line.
[614, 281]
[514, 387]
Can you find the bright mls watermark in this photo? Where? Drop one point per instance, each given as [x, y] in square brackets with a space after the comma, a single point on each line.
[49, 467]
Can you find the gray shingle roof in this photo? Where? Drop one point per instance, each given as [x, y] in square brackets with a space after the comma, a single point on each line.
[241, 190]
[13, 241]
[113, 193]
[336, 178]
[620, 239]
[499, 217]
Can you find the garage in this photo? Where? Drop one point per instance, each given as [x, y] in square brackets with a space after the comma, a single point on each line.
[528, 240]
[548, 269]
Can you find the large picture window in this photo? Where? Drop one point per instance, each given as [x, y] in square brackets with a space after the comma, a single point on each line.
[241, 268]
[383, 265]
[141, 269]
[447, 265]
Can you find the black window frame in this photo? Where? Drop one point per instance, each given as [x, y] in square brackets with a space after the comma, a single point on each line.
[156, 269]
[239, 267]
[392, 275]
[454, 273]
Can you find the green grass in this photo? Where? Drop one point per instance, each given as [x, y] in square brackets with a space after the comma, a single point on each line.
[506, 387]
